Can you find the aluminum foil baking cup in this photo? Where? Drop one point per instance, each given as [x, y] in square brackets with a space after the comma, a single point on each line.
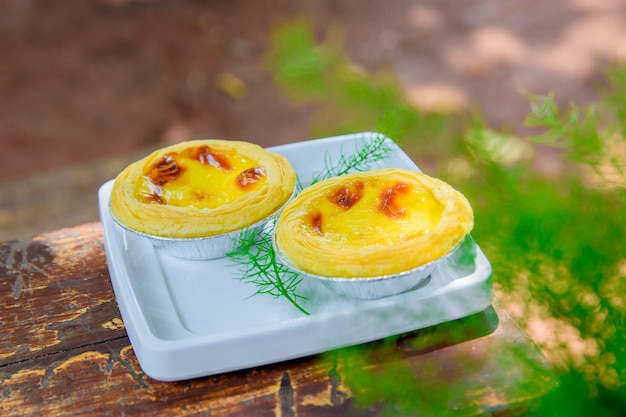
[370, 288]
[201, 248]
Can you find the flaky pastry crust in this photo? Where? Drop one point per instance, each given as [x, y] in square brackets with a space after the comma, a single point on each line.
[307, 247]
[172, 221]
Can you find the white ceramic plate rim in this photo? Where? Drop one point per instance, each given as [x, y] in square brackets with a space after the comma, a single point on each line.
[171, 343]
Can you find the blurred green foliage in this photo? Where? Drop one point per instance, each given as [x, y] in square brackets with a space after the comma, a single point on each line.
[556, 242]
[348, 99]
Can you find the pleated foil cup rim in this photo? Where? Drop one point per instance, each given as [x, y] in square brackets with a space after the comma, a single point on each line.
[285, 260]
[202, 247]
[233, 233]
[374, 287]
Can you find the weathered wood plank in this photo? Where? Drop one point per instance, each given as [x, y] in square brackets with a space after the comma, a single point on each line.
[55, 294]
[65, 352]
[471, 377]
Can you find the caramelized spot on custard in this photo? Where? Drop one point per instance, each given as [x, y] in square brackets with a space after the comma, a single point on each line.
[388, 205]
[348, 195]
[250, 176]
[164, 171]
[316, 222]
[154, 197]
[207, 156]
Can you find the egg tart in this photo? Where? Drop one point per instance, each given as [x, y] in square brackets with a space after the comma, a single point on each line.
[201, 188]
[372, 224]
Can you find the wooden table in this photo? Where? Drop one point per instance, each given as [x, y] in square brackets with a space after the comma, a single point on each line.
[64, 351]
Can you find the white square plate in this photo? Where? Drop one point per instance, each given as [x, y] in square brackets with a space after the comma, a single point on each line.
[187, 319]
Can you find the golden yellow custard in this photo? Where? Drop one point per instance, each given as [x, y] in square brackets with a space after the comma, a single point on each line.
[372, 223]
[201, 188]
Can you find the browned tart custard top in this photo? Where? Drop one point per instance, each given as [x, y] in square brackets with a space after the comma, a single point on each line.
[200, 177]
[372, 223]
[201, 188]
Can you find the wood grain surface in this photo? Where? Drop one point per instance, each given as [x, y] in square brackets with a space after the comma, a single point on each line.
[64, 352]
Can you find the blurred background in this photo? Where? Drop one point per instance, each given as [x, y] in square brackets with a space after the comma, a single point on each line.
[101, 82]
[521, 105]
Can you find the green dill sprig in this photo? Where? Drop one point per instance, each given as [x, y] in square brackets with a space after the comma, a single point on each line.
[366, 154]
[255, 252]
